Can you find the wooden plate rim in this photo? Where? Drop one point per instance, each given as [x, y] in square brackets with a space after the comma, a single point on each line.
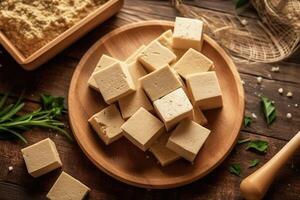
[139, 181]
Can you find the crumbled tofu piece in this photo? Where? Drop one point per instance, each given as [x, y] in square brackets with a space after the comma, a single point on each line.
[188, 33]
[107, 123]
[275, 69]
[244, 22]
[254, 116]
[166, 39]
[259, 80]
[164, 155]
[289, 115]
[187, 139]
[41, 157]
[173, 107]
[296, 105]
[67, 187]
[156, 56]
[114, 82]
[104, 61]
[280, 90]
[192, 62]
[159, 83]
[289, 94]
[205, 90]
[10, 168]
[243, 82]
[142, 129]
[133, 57]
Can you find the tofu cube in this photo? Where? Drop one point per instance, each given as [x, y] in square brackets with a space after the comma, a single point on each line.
[41, 157]
[173, 107]
[198, 116]
[156, 56]
[133, 57]
[187, 139]
[66, 187]
[114, 82]
[164, 155]
[142, 129]
[104, 61]
[205, 90]
[132, 102]
[166, 39]
[107, 123]
[188, 33]
[159, 83]
[192, 62]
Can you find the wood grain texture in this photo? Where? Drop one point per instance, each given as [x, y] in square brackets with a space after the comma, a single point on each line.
[54, 77]
[84, 102]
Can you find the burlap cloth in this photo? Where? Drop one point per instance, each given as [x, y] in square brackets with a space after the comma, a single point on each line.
[271, 37]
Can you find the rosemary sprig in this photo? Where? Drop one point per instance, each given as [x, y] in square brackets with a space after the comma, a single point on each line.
[12, 125]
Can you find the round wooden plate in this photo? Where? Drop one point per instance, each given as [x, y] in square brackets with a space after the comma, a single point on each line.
[122, 160]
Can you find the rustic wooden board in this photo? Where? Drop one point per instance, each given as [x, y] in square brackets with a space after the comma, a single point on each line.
[54, 77]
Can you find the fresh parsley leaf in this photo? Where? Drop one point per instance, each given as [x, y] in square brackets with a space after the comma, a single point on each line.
[254, 163]
[56, 104]
[242, 141]
[241, 3]
[268, 109]
[235, 169]
[247, 121]
[260, 146]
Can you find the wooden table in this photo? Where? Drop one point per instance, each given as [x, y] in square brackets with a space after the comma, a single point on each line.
[54, 78]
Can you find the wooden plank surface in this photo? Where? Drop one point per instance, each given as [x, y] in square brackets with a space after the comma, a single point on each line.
[54, 78]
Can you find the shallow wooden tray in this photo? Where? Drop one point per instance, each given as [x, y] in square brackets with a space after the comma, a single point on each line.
[63, 40]
[122, 160]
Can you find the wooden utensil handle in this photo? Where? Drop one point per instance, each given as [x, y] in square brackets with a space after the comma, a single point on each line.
[255, 186]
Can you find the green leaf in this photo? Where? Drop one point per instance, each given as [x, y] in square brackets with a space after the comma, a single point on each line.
[53, 103]
[269, 110]
[260, 146]
[241, 3]
[242, 141]
[254, 163]
[12, 112]
[247, 121]
[235, 169]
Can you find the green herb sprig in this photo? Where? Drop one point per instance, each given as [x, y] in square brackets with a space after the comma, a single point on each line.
[247, 121]
[12, 125]
[259, 146]
[254, 163]
[235, 169]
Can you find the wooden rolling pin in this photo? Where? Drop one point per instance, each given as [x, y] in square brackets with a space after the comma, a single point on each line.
[256, 185]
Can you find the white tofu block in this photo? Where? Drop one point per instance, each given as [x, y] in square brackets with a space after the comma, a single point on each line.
[205, 90]
[41, 157]
[133, 57]
[142, 129]
[164, 155]
[67, 188]
[156, 56]
[187, 139]
[159, 83]
[192, 62]
[198, 116]
[173, 107]
[107, 123]
[132, 102]
[166, 39]
[188, 33]
[104, 61]
[114, 82]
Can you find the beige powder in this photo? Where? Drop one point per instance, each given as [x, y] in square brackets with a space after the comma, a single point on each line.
[30, 24]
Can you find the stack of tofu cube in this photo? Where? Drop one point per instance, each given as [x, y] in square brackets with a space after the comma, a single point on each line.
[156, 96]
